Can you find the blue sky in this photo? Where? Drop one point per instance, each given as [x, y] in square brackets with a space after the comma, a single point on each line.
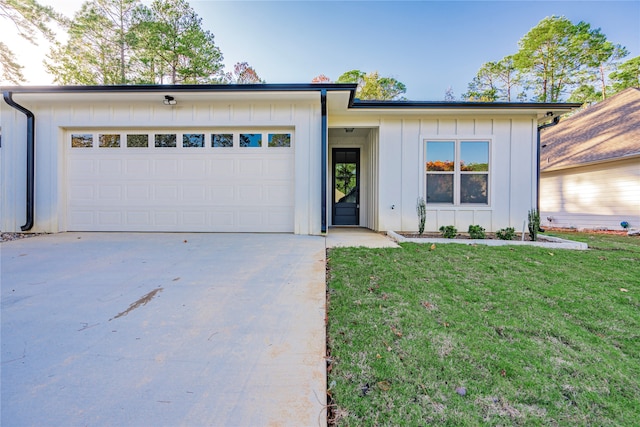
[428, 45]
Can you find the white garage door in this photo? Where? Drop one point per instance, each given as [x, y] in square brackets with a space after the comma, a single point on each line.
[187, 180]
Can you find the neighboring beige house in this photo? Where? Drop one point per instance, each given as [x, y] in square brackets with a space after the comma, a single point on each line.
[590, 166]
[295, 158]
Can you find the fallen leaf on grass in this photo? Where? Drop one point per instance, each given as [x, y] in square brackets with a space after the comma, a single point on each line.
[384, 385]
[433, 247]
[551, 253]
[503, 373]
[624, 290]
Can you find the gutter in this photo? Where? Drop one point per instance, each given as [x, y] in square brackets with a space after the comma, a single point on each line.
[31, 120]
[555, 121]
[323, 155]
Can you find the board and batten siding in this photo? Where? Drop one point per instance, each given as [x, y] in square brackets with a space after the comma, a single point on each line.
[598, 196]
[512, 181]
[55, 118]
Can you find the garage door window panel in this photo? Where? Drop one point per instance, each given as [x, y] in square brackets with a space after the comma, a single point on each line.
[193, 140]
[81, 140]
[165, 140]
[221, 140]
[137, 141]
[252, 140]
[109, 141]
[279, 140]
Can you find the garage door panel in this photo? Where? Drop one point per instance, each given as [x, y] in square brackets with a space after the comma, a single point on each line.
[250, 167]
[110, 192]
[194, 218]
[279, 168]
[213, 189]
[165, 168]
[137, 193]
[194, 193]
[137, 167]
[194, 168]
[110, 167]
[81, 166]
[82, 193]
[222, 195]
[138, 219]
[222, 167]
[109, 218]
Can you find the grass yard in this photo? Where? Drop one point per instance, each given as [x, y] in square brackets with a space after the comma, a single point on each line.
[470, 335]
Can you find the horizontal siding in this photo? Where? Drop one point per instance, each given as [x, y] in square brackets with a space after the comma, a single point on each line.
[597, 196]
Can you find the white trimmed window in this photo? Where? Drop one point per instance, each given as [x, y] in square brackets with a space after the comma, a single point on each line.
[457, 172]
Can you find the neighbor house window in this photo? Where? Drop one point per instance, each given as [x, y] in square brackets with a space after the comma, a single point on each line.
[457, 172]
[222, 140]
[165, 140]
[81, 140]
[250, 140]
[279, 140]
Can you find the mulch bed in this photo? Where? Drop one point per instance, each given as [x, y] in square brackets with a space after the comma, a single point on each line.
[7, 237]
[460, 236]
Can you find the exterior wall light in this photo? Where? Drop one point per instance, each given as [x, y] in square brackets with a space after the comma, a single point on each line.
[169, 100]
[348, 130]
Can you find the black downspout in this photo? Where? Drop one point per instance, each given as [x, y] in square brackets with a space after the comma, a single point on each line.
[31, 120]
[323, 143]
[555, 121]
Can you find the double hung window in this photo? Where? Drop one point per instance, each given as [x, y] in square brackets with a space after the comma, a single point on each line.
[457, 172]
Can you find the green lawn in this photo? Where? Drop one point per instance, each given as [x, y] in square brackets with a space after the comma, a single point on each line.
[470, 335]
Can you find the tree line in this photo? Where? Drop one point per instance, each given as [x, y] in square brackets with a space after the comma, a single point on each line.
[127, 42]
[123, 42]
[557, 59]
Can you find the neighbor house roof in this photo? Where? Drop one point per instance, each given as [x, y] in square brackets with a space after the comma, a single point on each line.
[606, 131]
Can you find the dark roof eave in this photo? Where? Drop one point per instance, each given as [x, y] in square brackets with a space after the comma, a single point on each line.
[260, 87]
[401, 105]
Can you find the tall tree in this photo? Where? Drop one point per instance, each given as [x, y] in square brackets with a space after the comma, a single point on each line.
[29, 18]
[550, 56]
[321, 78]
[599, 57]
[627, 75]
[243, 73]
[98, 50]
[172, 47]
[495, 81]
[372, 86]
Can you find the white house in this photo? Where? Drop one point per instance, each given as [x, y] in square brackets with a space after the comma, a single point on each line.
[590, 166]
[292, 158]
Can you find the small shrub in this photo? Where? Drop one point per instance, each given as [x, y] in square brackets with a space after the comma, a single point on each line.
[449, 231]
[476, 232]
[534, 224]
[421, 209]
[508, 233]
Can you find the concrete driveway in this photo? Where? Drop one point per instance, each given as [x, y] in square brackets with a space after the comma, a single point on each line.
[125, 329]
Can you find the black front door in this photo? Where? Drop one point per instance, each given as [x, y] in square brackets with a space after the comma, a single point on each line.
[346, 186]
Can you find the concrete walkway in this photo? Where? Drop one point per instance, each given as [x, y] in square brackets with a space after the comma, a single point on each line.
[356, 237]
[123, 329]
